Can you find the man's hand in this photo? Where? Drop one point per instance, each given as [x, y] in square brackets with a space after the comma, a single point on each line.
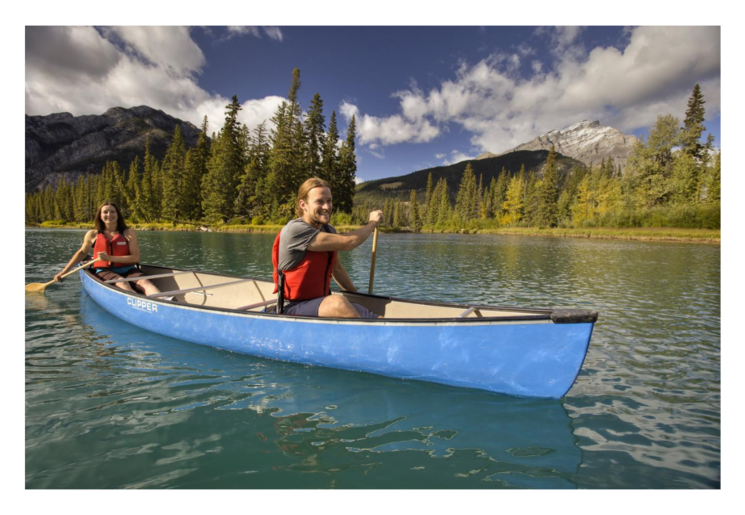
[376, 216]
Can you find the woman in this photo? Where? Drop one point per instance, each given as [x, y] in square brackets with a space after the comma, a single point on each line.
[115, 245]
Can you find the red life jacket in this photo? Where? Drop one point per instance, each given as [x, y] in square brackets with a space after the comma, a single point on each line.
[310, 279]
[116, 246]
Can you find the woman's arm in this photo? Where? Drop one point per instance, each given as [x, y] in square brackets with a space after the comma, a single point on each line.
[85, 249]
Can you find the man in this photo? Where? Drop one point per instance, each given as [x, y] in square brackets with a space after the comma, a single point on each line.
[305, 257]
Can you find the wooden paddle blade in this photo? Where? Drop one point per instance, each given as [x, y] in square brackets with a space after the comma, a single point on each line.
[36, 287]
[39, 288]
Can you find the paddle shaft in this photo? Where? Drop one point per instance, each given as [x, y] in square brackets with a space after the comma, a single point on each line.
[86, 265]
[372, 263]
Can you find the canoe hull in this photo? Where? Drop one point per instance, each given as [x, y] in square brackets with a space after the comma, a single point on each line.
[528, 359]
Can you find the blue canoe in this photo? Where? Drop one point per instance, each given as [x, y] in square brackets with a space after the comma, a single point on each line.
[515, 351]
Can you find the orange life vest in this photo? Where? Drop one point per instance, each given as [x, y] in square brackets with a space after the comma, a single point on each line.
[308, 280]
[116, 246]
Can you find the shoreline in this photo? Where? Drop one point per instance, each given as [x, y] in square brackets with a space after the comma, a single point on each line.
[711, 236]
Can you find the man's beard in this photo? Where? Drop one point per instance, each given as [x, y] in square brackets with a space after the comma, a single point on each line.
[316, 218]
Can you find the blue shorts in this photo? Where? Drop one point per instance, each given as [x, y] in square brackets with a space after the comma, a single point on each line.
[309, 308]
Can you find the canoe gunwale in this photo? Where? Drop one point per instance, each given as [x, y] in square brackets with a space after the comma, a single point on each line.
[532, 314]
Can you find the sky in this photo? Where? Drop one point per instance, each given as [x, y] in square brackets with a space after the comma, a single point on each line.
[422, 96]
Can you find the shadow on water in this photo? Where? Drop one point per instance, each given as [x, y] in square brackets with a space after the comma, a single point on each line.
[141, 410]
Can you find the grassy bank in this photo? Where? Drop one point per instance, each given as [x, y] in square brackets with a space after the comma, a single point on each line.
[648, 234]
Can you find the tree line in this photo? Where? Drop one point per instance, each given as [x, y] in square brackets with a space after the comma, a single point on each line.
[237, 176]
[671, 180]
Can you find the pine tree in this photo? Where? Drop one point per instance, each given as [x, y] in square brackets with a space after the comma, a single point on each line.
[330, 159]
[479, 198]
[248, 201]
[513, 206]
[145, 200]
[499, 194]
[172, 176]
[583, 207]
[568, 194]
[118, 195]
[444, 211]
[487, 207]
[298, 145]
[397, 214]
[547, 194]
[132, 188]
[224, 167]
[693, 125]
[428, 198]
[650, 163]
[714, 181]
[81, 200]
[61, 201]
[315, 130]
[343, 189]
[157, 185]
[684, 179]
[28, 206]
[280, 180]
[195, 168]
[415, 219]
[465, 203]
[433, 208]
[48, 202]
[216, 197]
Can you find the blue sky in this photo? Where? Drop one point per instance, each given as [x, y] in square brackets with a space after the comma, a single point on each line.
[423, 96]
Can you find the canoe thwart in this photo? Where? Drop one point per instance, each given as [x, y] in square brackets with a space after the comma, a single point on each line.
[138, 278]
[198, 288]
[257, 305]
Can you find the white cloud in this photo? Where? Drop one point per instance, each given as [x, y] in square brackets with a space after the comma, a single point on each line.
[455, 157]
[273, 33]
[379, 155]
[359, 180]
[83, 71]
[254, 112]
[565, 36]
[627, 89]
[440, 156]
[243, 30]
[391, 130]
[170, 48]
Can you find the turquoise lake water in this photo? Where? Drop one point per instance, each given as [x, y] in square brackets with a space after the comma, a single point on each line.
[109, 405]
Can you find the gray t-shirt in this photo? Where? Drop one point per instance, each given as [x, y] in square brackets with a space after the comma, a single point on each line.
[294, 240]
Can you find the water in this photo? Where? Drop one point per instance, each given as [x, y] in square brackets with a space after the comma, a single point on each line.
[111, 406]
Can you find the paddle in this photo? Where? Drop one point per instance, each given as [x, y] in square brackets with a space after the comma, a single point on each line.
[372, 263]
[39, 287]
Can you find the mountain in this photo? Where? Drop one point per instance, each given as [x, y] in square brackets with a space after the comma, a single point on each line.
[586, 141]
[490, 167]
[61, 143]
[582, 144]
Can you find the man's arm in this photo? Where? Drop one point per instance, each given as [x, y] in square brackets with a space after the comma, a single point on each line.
[324, 241]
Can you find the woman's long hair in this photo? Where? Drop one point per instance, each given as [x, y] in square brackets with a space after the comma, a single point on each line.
[121, 225]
